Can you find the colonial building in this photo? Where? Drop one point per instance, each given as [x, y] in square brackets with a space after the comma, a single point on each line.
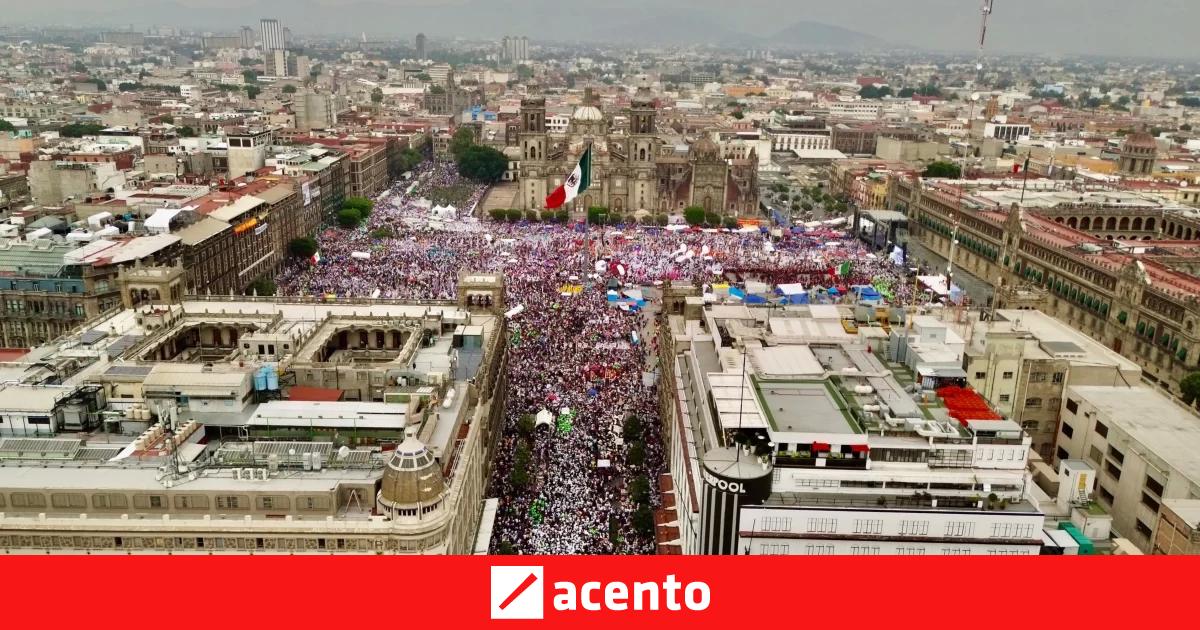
[1139, 301]
[632, 170]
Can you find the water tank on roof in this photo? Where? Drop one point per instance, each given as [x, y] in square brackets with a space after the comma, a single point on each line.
[260, 380]
[272, 378]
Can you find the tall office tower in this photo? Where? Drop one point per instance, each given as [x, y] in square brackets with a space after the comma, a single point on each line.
[272, 35]
[247, 35]
[420, 45]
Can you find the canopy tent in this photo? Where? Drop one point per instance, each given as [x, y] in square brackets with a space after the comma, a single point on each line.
[756, 299]
[790, 289]
[737, 293]
[544, 417]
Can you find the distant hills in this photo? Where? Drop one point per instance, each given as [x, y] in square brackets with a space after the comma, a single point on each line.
[539, 19]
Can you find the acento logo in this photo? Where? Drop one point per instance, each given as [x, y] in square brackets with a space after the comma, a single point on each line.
[517, 593]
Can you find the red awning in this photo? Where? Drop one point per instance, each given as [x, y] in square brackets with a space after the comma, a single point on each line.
[859, 448]
[819, 447]
[314, 394]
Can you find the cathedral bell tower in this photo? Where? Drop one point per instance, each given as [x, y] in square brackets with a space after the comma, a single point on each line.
[533, 140]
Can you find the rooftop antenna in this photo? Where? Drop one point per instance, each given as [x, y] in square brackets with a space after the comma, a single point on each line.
[986, 11]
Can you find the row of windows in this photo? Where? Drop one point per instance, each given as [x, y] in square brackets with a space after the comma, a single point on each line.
[208, 543]
[114, 501]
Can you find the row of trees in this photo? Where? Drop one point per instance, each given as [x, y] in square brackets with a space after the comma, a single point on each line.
[477, 162]
[634, 434]
[354, 211]
[696, 215]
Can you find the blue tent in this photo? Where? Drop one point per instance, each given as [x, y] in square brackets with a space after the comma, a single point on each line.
[735, 292]
[756, 299]
[832, 291]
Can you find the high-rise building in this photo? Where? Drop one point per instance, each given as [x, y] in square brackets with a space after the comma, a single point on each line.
[420, 45]
[247, 35]
[272, 34]
[277, 62]
[515, 49]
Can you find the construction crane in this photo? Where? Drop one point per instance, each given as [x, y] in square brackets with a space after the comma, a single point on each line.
[983, 20]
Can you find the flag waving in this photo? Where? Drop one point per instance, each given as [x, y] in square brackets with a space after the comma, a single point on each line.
[315, 258]
[577, 182]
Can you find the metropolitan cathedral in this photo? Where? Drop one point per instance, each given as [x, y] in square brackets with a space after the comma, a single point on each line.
[632, 169]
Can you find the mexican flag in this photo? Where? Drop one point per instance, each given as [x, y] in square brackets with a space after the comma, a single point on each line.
[315, 258]
[843, 269]
[577, 182]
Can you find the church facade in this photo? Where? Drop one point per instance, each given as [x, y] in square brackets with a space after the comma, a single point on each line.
[632, 171]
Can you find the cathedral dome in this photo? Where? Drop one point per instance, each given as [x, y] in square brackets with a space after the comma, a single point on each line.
[587, 113]
[705, 149]
[411, 479]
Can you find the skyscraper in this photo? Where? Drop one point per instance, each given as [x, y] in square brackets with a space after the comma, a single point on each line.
[247, 35]
[420, 45]
[272, 35]
[515, 49]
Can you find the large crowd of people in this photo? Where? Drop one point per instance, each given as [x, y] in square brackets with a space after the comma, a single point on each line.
[572, 354]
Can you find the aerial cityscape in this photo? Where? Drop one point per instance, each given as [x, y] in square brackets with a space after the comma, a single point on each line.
[907, 278]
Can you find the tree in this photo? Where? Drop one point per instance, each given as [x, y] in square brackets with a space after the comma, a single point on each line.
[247, 61]
[514, 215]
[264, 285]
[252, 91]
[661, 220]
[166, 119]
[906, 93]
[694, 215]
[410, 159]
[643, 520]
[942, 168]
[6, 126]
[1189, 101]
[79, 66]
[532, 216]
[483, 164]
[737, 113]
[1190, 386]
[101, 86]
[250, 76]
[302, 247]
[712, 218]
[637, 454]
[79, 130]
[596, 215]
[632, 428]
[497, 214]
[463, 139]
[186, 132]
[377, 95]
[616, 218]
[382, 232]
[525, 425]
[563, 216]
[348, 218]
[360, 204]
[871, 91]
[731, 222]
[289, 89]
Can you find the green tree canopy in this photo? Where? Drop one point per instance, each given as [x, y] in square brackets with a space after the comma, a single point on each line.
[79, 130]
[6, 126]
[694, 215]
[289, 89]
[1190, 386]
[302, 247]
[348, 218]
[362, 205]
[942, 168]
[483, 164]
[186, 132]
[463, 138]
[871, 91]
[252, 91]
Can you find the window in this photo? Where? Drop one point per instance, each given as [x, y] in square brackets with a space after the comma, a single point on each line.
[819, 550]
[1007, 376]
[1037, 377]
[314, 503]
[1101, 430]
[1005, 398]
[231, 502]
[272, 503]
[1072, 406]
[1033, 403]
[149, 501]
[868, 526]
[775, 549]
[955, 551]
[72, 500]
[27, 499]
[910, 551]
[1106, 496]
[1058, 377]
[1062, 453]
[914, 528]
[822, 525]
[1118, 456]
[960, 529]
[1149, 501]
[1095, 455]
[191, 502]
[109, 501]
[863, 550]
[1144, 529]
[1067, 430]
[1113, 470]
[1153, 485]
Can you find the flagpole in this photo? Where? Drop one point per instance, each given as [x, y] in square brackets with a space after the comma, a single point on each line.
[1025, 182]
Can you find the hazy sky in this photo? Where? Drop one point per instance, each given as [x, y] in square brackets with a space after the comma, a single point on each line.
[1161, 28]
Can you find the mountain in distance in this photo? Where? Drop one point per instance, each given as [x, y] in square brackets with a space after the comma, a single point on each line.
[819, 36]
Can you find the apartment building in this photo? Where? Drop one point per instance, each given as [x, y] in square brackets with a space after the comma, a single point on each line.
[1144, 446]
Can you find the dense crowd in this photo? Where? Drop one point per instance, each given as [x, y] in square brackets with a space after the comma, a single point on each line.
[572, 354]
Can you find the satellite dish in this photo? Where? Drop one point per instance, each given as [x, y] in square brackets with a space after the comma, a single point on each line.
[343, 452]
[974, 96]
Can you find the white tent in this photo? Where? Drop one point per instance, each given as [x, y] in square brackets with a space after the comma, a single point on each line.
[791, 289]
[360, 255]
[544, 417]
[445, 212]
[513, 312]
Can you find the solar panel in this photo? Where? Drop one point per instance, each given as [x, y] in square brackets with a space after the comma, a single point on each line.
[129, 370]
[38, 448]
[122, 344]
[97, 453]
[92, 336]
